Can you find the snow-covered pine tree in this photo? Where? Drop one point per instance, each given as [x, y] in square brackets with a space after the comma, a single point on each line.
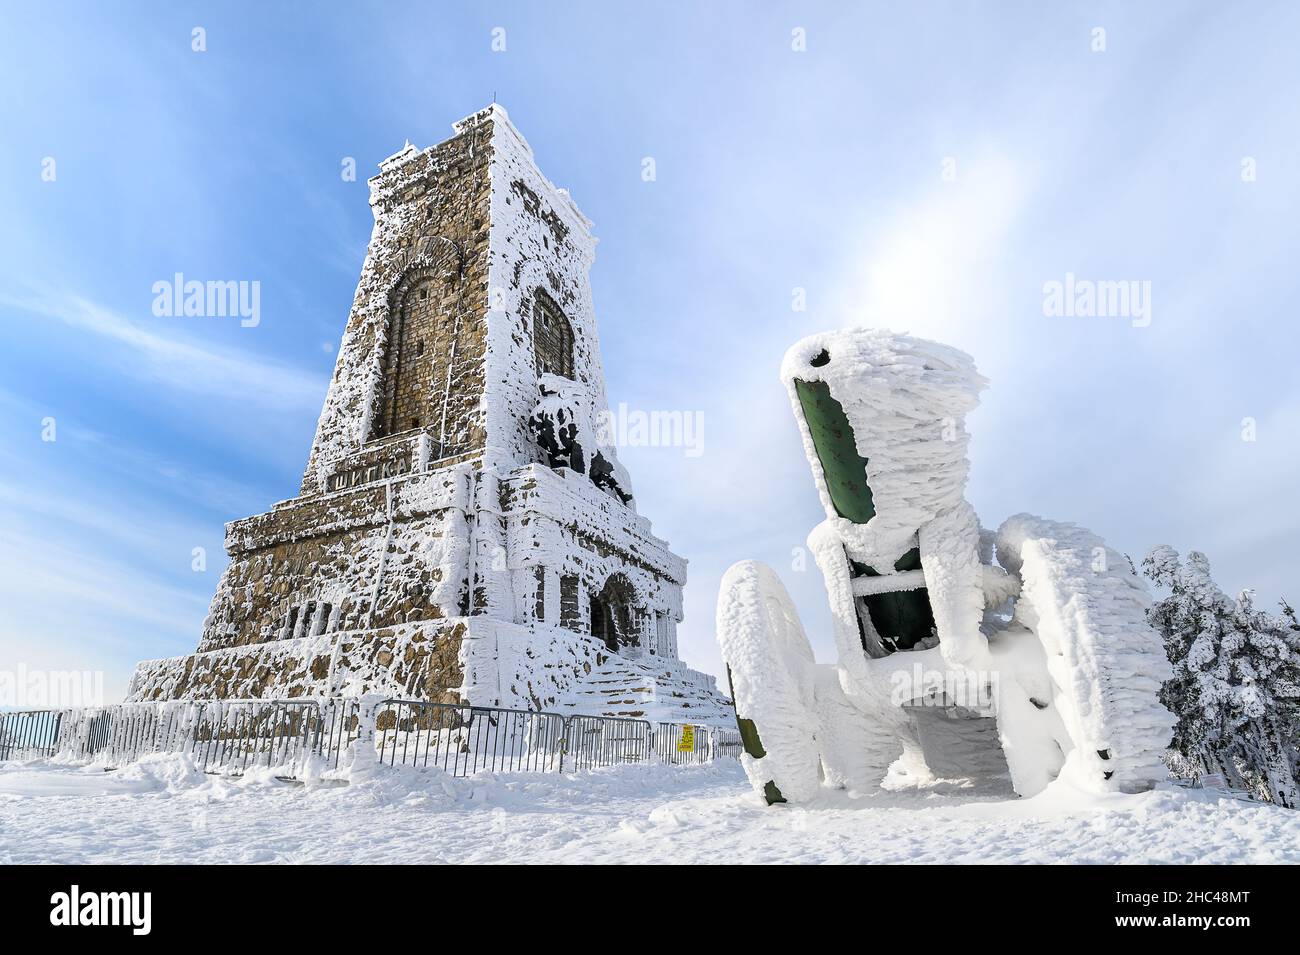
[1178, 618]
[1269, 664]
[1236, 684]
[1293, 628]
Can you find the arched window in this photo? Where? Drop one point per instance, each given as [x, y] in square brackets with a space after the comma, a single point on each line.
[552, 338]
[612, 614]
[416, 358]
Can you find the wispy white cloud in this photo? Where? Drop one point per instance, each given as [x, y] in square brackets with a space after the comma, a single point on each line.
[97, 454]
[87, 516]
[64, 578]
[86, 585]
[180, 363]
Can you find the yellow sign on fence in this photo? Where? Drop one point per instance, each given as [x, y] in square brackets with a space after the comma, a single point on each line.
[687, 743]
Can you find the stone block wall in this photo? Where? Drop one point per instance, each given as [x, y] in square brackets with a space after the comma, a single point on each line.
[417, 660]
[376, 556]
[432, 213]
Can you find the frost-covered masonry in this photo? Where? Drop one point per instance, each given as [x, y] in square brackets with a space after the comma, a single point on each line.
[935, 641]
[459, 534]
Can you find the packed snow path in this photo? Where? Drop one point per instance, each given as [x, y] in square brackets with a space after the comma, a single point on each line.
[162, 810]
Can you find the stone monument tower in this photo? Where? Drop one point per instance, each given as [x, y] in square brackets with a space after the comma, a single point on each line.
[462, 532]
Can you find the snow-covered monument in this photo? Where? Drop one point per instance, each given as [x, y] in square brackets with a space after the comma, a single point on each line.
[951, 664]
[462, 532]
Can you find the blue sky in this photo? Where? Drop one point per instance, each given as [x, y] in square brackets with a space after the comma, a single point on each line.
[822, 169]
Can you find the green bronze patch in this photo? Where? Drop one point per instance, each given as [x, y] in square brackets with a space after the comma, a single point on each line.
[754, 746]
[903, 618]
[832, 435]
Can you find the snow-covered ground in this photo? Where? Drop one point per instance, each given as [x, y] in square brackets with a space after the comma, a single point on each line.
[164, 810]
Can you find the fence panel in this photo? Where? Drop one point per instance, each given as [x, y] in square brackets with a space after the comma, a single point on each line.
[594, 741]
[727, 743]
[229, 736]
[340, 726]
[463, 740]
[29, 735]
[85, 732]
[682, 744]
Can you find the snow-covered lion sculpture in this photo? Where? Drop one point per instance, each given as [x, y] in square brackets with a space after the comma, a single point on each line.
[1045, 655]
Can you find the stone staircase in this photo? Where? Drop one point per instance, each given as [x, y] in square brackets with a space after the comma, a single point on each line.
[652, 689]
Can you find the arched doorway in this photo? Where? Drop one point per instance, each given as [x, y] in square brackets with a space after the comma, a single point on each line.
[612, 614]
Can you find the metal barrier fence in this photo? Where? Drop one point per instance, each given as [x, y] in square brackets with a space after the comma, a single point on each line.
[687, 744]
[29, 735]
[594, 741]
[727, 744]
[227, 736]
[296, 737]
[683, 745]
[463, 740]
